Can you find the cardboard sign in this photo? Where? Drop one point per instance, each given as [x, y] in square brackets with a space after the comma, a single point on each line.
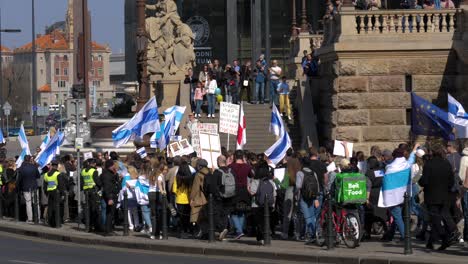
[186, 147]
[210, 146]
[279, 174]
[88, 155]
[209, 128]
[229, 118]
[339, 150]
[176, 149]
[331, 167]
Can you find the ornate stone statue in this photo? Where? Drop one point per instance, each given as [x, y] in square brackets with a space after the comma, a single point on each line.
[170, 42]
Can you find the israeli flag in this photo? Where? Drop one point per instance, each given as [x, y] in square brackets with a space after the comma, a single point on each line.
[142, 152]
[143, 122]
[23, 140]
[278, 151]
[45, 141]
[172, 118]
[396, 182]
[2, 139]
[50, 151]
[458, 117]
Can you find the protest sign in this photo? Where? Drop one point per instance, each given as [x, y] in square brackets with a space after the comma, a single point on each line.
[209, 128]
[210, 148]
[229, 118]
[88, 155]
[339, 149]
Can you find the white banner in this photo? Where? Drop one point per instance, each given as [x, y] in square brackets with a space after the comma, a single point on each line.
[209, 128]
[229, 118]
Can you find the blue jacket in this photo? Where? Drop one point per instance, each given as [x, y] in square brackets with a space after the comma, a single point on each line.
[28, 174]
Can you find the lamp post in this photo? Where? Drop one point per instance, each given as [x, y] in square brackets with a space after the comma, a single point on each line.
[34, 66]
[3, 30]
[141, 43]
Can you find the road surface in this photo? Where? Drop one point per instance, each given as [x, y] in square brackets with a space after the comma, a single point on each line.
[26, 250]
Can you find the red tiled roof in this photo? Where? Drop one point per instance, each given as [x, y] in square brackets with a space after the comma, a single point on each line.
[54, 41]
[5, 49]
[45, 89]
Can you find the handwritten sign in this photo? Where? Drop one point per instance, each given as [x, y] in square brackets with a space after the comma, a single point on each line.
[210, 148]
[229, 118]
[210, 128]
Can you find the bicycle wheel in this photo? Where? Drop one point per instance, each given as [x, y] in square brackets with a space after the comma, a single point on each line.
[321, 230]
[351, 229]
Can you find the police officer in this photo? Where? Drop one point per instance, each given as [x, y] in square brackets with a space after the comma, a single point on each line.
[55, 187]
[91, 184]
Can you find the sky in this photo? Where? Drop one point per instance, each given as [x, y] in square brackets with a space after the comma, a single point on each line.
[107, 20]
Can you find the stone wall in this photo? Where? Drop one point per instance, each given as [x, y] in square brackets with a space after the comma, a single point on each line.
[365, 98]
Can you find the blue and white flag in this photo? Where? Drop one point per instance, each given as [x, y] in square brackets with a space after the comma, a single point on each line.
[172, 118]
[396, 182]
[2, 139]
[144, 122]
[50, 150]
[142, 152]
[458, 117]
[277, 152]
[45, 141]
[23, 140]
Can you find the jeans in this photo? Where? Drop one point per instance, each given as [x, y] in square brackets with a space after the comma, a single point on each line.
[415, 207]
[227, 94]
[234, 94]
[259, 92]
[103, 212]
[28, 197]
[288, 207]
[465, 215]
[211, 103]
[273, 92]
[198, 104]
[238, 221]
[310, 215]
[398, 219]
[192, 102]
[146, 212]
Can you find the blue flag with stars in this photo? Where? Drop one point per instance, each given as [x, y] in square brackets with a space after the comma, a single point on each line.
[429, 120]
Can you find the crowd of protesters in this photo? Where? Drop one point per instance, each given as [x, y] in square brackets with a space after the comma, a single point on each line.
[240, 188]
[236, 83]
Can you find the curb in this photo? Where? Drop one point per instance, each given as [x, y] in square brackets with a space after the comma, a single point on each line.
[204, 250]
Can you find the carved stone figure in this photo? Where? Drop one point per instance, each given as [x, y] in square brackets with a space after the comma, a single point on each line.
[170, 50]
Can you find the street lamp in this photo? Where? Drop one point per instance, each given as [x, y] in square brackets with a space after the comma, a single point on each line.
[3, 30]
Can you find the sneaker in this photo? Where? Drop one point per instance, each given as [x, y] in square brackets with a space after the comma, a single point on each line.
[462, 240]
[152, 237]
[239, 236]
[261, 242]
[29, 222]
[223, 234]
[213, 116]
[209, 116]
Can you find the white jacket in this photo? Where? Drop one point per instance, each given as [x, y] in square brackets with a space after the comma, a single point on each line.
[463, 164]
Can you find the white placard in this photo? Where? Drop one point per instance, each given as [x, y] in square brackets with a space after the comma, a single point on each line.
[187, 148]
[209, 128]
[142, 152]
[229, 118]
[331, 167]
[176, 149]
[379, 173]
[88, 155]
[339, 150]
[210, 148]
[279, 174]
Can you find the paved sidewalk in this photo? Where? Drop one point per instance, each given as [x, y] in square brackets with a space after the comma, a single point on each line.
[369, 252]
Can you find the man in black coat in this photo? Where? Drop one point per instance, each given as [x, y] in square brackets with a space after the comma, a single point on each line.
[110, 191]
[28, 174]
[437, 181]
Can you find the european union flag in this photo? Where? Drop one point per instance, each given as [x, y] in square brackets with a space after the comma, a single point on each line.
[429, 120]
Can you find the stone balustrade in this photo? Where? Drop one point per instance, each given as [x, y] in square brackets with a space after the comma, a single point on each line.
[378, 23]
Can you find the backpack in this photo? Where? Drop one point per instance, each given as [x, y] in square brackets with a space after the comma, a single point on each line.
[310, 185]
[265, 188]
[228, 184]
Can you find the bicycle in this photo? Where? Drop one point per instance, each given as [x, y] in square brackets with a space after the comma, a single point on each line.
[345, 224]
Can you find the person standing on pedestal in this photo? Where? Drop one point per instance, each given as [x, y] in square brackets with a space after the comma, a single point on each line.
[275, 73]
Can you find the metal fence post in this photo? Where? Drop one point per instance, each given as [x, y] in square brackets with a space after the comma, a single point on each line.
[266, 224]
[58, 219]
[125, 214]
[34, 207]
[153, 216]
[407, 218]
[164, 217]
[329, 219]
[211, 219]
